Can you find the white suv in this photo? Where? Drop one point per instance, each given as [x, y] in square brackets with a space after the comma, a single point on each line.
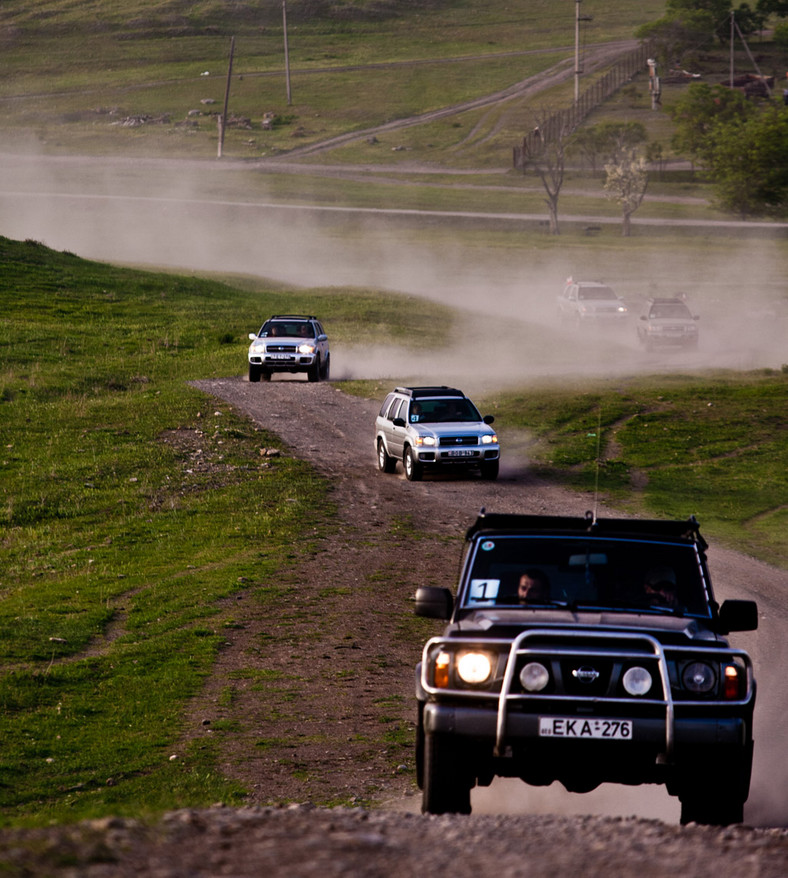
[289, 343]
[432, 428]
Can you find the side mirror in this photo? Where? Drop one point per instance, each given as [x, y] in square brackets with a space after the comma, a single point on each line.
[434, 602]
[488, 419]
[399, 422]
[643, 317]
[322, 337]
[696, 317]
[252, 336]
[738, 616]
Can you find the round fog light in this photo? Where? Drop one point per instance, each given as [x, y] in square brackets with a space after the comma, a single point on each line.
[637, 681]
[698, 677]
[534, 677]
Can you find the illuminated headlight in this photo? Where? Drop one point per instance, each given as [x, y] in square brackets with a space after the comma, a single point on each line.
[474, 667]
[489, 439]
[637, 681]
[425, 440]
[306, 349]
[698, 677]
[258, 348]
[622, 309]
[534, 677]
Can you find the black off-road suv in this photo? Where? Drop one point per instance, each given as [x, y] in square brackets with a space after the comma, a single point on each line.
[586, 651]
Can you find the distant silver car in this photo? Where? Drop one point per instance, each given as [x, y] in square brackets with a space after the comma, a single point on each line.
[667, 323]
[434, 428]
[586, 303]
[289, 343]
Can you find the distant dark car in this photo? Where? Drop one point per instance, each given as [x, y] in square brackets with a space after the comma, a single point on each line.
[289, 343]
[667, 322]
[590, 303]
[586, 651]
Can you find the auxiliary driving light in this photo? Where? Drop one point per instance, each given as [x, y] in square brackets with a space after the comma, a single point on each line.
[534, 677]
[474, 667]
[637, 681]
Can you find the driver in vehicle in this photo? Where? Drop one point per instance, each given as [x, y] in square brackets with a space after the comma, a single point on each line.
[533, 587]
[660, 588]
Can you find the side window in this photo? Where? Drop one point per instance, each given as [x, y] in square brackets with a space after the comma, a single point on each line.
[395, 408]
[386, 405]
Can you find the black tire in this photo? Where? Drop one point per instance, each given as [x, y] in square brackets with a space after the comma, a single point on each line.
[313, 372]
[413, 469]
[324, 375]
[386, 464]
[711, 807]
[447, 782]
[265, 375]
[254, 373]
[490, 469]
[420, 746]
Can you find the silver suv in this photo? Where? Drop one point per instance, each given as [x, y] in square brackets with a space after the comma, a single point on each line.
[586, 303]
[667, 323]
[289, 343]
[433, 428]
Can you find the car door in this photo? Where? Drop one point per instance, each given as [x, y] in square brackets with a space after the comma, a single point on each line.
[396, 434]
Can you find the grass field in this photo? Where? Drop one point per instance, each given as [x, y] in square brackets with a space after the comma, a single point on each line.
[115, 473]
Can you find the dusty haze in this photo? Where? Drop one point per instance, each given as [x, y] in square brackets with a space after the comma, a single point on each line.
[197, 221]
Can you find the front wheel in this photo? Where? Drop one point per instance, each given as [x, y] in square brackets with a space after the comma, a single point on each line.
[447, 782]
[254, 372]
[413, 469]
[324, 374]
[386, 464]
[313, 372]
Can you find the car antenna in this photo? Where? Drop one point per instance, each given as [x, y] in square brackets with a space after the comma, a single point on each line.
[598, 435]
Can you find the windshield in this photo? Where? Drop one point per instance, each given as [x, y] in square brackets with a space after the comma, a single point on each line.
[674, 310]
[621, 574]
[287, 329]
[434, 411]
[596, 293]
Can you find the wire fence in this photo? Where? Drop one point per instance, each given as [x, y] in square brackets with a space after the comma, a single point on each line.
[564, 122]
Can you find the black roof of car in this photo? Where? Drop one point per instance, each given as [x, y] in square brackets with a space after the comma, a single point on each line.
[687, 530]
[416, 392]
[663, 300]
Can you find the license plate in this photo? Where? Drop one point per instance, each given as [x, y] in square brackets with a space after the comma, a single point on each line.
[280, 356]
[588, 728]
[460, 452]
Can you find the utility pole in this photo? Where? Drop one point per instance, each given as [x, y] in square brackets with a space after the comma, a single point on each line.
[223, 117]
[287, 54]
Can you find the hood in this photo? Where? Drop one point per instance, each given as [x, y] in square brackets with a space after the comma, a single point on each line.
[508, 623]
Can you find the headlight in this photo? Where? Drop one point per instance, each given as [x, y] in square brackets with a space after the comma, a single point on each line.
[258, 348]
[425, 440]
[622, 309]
[637, 681]
[489, 439]
[306, 349]
[474, 667]
[534, 677]
[698, 677]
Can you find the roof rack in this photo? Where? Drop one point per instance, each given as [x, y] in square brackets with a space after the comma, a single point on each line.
[442, 390]
[292, 317]
[687, 529]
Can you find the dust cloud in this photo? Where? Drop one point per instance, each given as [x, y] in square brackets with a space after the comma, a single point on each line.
[203, 220]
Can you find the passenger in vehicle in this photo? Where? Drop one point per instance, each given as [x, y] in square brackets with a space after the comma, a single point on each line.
[534, 587]
[415, 413]
[660, 588]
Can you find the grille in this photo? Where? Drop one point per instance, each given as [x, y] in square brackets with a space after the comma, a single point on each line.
[458, 441]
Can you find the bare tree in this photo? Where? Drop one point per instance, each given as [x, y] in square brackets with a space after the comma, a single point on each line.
[544, 151]
[626, 183]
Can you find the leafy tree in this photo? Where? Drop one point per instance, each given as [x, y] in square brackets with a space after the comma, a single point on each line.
[626, 183]
[678, 35]
[700, 109]
[748, 162]
[607, 140]
[773, 7]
